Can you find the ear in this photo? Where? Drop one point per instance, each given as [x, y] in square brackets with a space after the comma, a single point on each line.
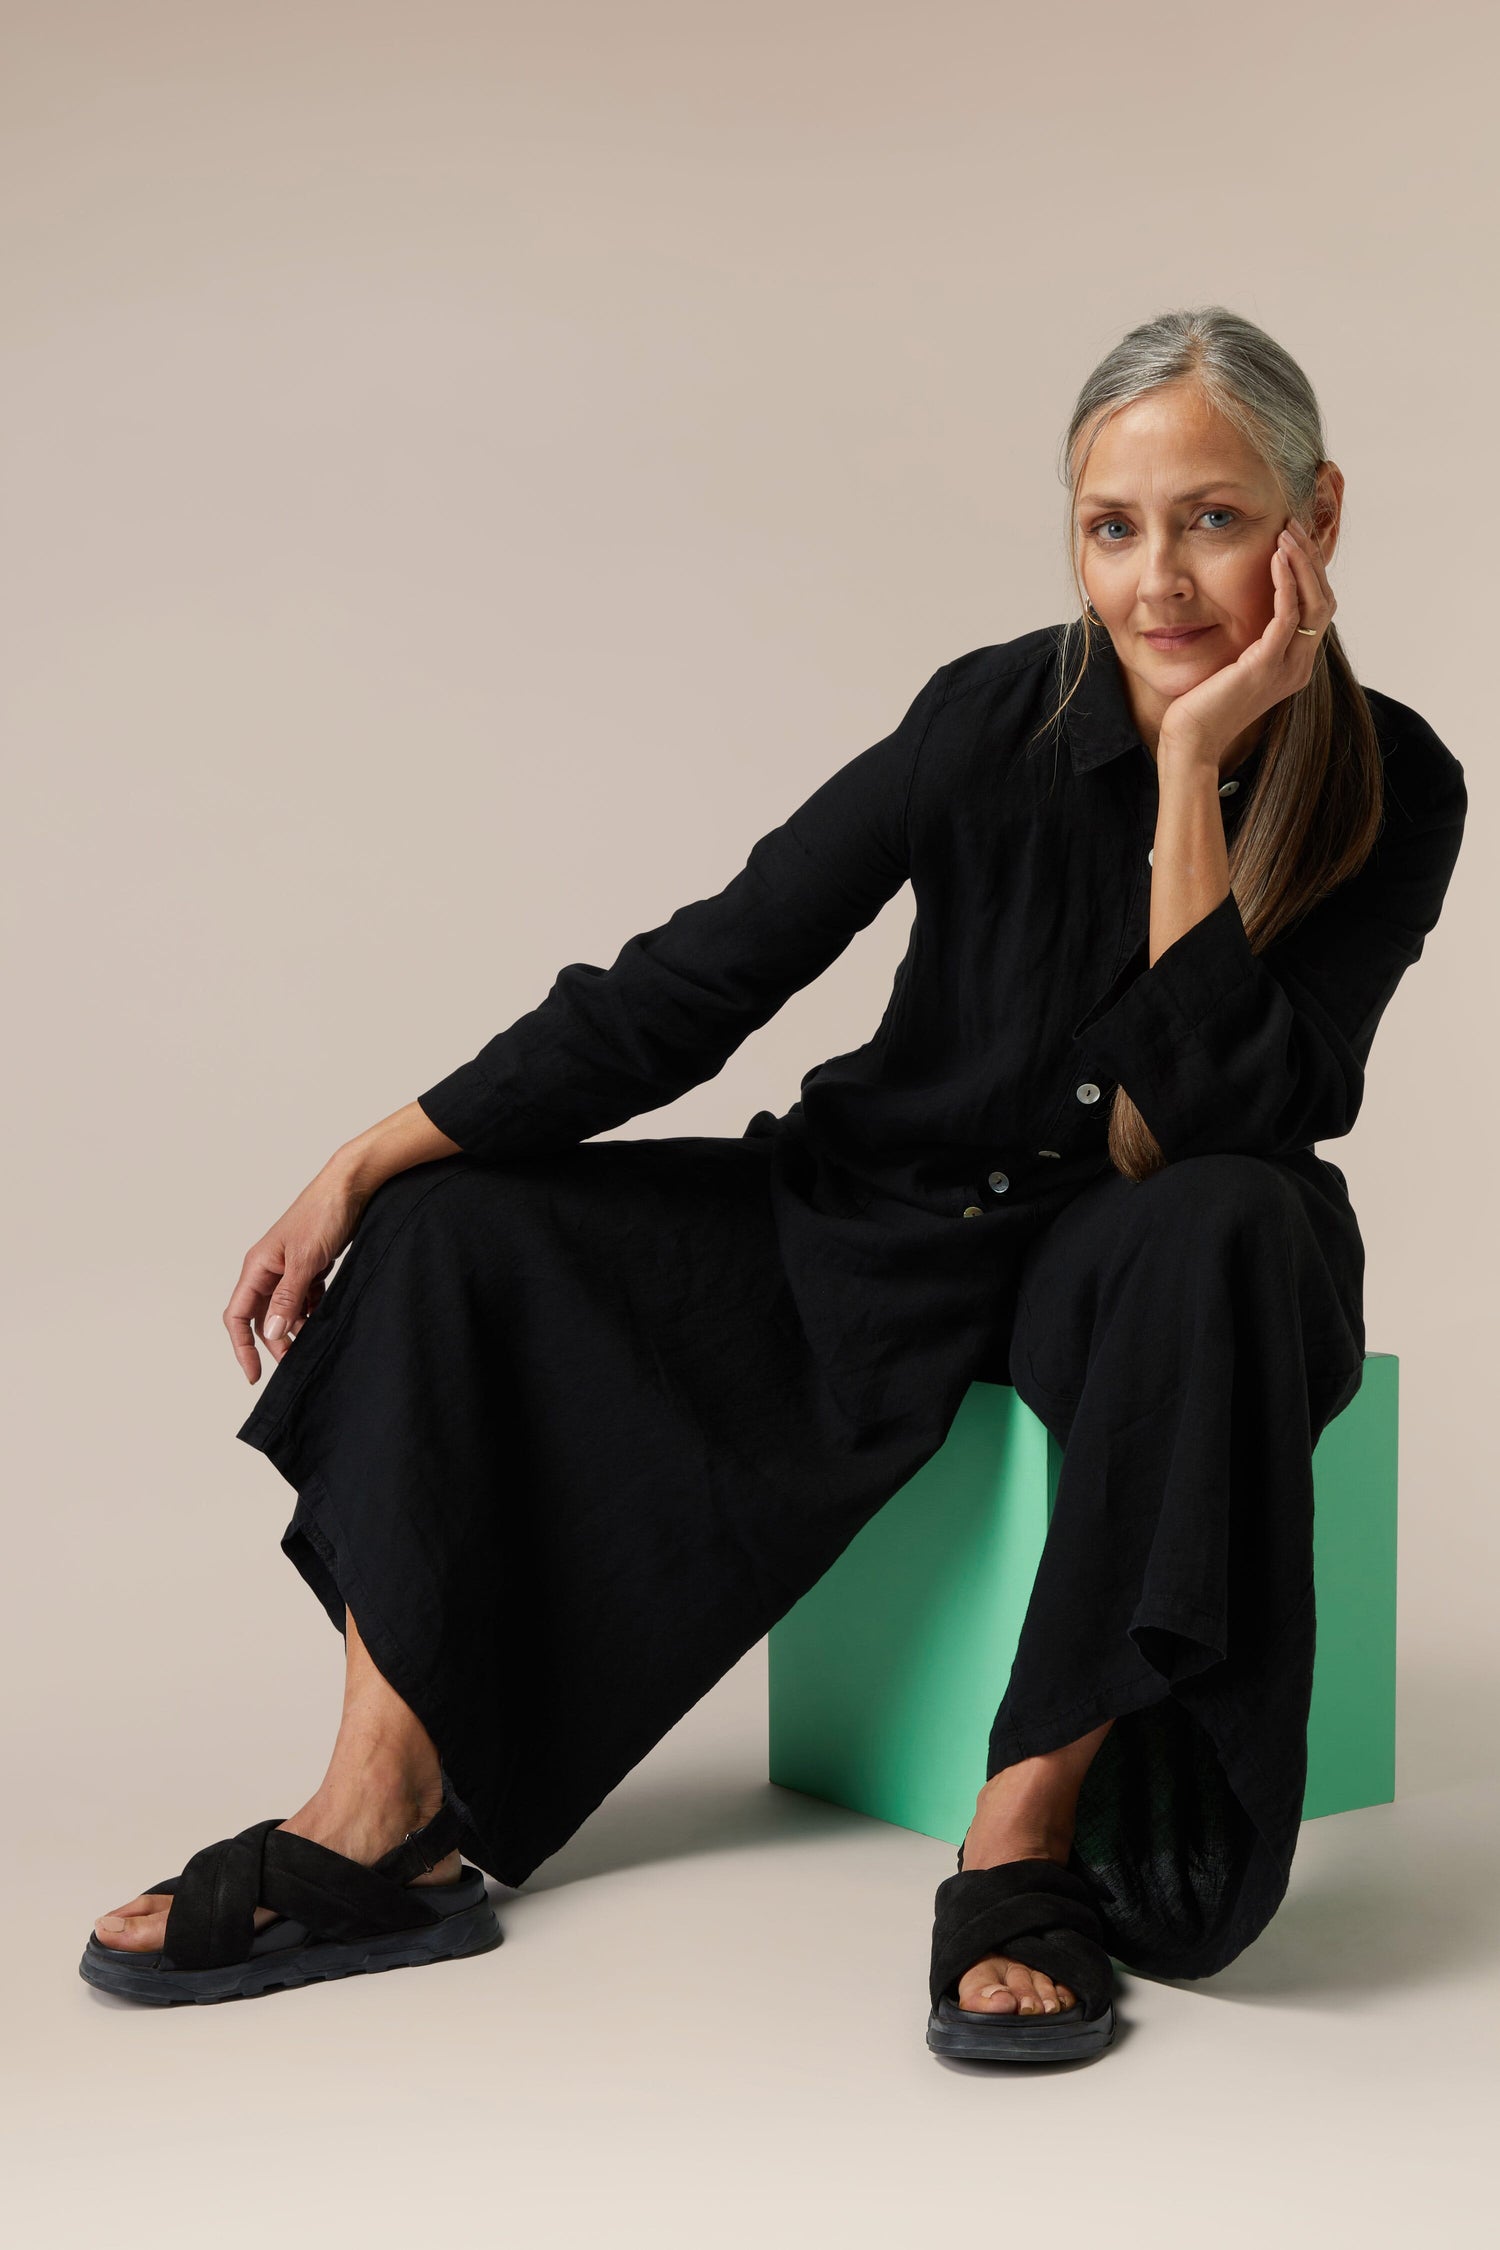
[1328, 508]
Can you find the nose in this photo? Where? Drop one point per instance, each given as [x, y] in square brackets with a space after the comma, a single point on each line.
[1164, 575]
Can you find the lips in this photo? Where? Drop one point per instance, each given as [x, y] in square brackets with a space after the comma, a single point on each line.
[1178, 637]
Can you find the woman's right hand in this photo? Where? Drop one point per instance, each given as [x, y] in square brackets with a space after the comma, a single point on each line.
[282, 1276]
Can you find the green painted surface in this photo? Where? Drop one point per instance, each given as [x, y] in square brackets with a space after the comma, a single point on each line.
[885, 1677]
[1351, 1730]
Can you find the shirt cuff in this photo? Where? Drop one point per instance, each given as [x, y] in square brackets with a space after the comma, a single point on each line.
[468, 1107]
[1151, 1030]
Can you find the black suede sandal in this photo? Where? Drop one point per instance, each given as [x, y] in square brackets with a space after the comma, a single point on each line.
[338, 1919]
[1042, 1914]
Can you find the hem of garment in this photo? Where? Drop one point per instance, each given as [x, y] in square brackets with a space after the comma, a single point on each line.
[1036, 1736]
[1054, 1729]
[316, 1545]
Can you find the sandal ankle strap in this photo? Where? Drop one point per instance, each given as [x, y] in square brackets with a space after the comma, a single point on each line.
[420, 1849]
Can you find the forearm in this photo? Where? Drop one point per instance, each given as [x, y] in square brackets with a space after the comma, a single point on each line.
[408, 1136]
[1190, 860]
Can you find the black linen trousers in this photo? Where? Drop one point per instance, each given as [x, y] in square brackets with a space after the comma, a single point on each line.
[576, 1421]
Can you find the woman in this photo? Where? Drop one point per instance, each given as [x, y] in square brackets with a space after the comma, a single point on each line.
[577, 1421]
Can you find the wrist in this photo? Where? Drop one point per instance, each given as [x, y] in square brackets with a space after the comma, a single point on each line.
[359, 1166]
[408, 1136]
[1181, 755]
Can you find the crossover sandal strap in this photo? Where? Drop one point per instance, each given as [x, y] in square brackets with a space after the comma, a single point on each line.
[1035, 1911]
[211, 1922]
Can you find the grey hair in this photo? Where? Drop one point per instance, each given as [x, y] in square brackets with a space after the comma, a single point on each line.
[1316, 805]
[1248, 377]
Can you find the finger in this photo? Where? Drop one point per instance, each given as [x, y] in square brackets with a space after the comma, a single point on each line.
[243, 1309]
[312, 1297]
[1308, 546]
[285, 1307]
[1298, 573]
[1290, 572]
[1286, 614]
[260, 1271]
[1307, 571]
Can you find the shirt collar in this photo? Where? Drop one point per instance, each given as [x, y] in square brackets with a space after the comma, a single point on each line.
[1098, 717]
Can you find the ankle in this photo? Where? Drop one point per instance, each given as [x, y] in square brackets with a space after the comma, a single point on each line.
[392, 1779]
[989, 1843]
[1022, 1819]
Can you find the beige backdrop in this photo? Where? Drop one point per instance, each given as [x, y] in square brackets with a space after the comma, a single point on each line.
[470, 470]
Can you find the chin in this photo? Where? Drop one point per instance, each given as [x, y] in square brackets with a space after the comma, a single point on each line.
[1206, 656]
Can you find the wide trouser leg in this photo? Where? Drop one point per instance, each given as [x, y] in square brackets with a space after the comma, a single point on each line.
[1187, 1338]
[561, 1443]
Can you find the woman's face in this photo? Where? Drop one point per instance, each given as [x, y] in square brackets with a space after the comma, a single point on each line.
[1177, 521]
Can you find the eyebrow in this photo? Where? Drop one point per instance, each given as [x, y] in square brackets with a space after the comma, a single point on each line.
[1221, 484]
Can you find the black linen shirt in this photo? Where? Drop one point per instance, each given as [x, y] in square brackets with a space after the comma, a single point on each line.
[1025, 995]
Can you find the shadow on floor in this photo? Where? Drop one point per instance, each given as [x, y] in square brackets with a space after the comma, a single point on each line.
[677, 1819]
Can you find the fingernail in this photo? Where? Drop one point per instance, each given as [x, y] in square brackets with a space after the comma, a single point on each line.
[112, 1922]
[273, 1326]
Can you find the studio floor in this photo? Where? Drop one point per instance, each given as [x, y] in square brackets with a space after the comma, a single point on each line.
[705, 2023]
[705, 2026]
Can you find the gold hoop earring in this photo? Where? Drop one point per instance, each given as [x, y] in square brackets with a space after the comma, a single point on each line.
[1091, 613]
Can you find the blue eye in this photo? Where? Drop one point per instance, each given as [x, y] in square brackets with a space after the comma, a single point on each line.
[1105, 522]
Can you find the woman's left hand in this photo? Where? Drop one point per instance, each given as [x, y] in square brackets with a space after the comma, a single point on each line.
[1207, 719]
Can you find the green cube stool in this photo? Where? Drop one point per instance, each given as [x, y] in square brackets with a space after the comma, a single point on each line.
[885, 1677]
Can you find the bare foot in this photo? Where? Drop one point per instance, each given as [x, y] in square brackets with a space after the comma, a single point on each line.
[363, 1827]
[383, 1780]
[1025, 1812]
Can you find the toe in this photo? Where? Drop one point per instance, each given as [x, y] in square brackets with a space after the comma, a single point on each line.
[1034, 1993]
[1046, 1992]
[984, 1988]
[1005, 1987]
[137, 1927]
[140, 1924]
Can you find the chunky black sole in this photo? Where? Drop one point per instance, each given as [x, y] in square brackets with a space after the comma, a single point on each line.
[283, 1955]
[973, 2035]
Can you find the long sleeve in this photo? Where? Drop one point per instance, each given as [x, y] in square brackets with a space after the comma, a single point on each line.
[1224, 1049]
[606, 1044]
